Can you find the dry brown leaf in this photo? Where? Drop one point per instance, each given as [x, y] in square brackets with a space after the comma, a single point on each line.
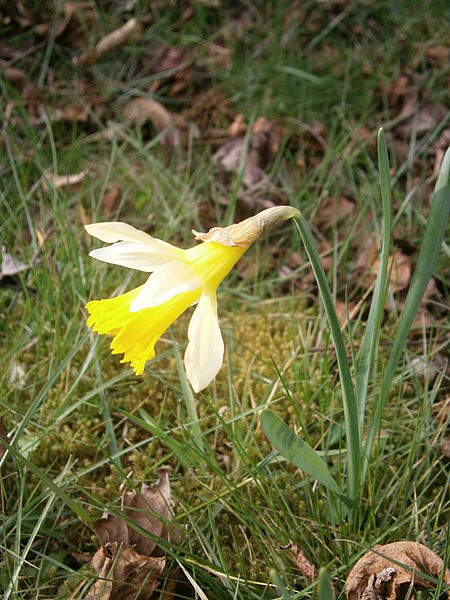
[445, 447]
[124, 574]
[77, 18]
[228, 160]
[112, 199]
[386, 572]
[61, 181]
[17, 374]
[305, 566]
[438, 56]
[266, 139]
[400, 272]
[333, 210]
[140, 110]
[131, 30]
[129, 562]
[173, 65]
[69, 114]
[11, 266]
[419, 118]
[12, 74]
[341, 311]
[238, 127]
[398, 90]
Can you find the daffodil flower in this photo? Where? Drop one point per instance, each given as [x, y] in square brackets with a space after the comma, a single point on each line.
[179, 279]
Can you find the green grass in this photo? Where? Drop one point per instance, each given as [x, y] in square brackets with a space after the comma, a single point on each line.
[80, 424]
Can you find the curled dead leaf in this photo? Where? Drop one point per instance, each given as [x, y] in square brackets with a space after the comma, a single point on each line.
[112, 199]
[229, 157]
[140, 110]
[306, 567]
[266, 139]
[124, 573]
[171, 66]
[387, 572]
[445, 447]
[132, 30]
[333, 210]
[12, 74]
[238, 127]
[419, 118]
[70, 27]
[61, 181]
[130, 562]
[10, 265]
[400, 273]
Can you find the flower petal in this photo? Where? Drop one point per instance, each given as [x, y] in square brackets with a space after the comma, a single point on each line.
[118, 232]
[165, 283]
[140, 256]
[204, 353]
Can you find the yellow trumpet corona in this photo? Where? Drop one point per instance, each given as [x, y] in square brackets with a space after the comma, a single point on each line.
[179, 278]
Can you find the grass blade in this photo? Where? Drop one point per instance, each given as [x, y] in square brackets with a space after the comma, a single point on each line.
[371, 336]
[191, 407]
[349, 401]
[297, 451]
[325, 589]
[429, 252]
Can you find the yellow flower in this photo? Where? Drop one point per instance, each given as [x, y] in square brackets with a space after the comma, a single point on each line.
[179, 279]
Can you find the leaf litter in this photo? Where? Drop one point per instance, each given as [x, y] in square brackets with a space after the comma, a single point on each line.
[387, 572]
[131, 560]
[11, 266]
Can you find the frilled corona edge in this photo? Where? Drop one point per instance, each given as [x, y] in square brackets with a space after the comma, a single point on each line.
[243, 234]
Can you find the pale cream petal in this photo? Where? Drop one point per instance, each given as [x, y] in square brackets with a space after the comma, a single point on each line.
[133, 255]
[165, 283]
[118, 232]
[204, 353]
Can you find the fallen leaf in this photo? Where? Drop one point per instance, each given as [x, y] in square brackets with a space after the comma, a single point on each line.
[229, 158]
[131, 30]
[438, 56]
[172, 65]
[70, 28]
[266, 139]
[333, 210]
[124, 574]
[61, 181]
[17, 374]
[12, 74]
[386, 572]
[445, 447]
[341, 311]
[400, 272]
[112, 199]
[130, 563]
[11, 266]
[419, 118]
[305, 566]
[69, 114]
[238, 127]
[140, 110]
[398, 90]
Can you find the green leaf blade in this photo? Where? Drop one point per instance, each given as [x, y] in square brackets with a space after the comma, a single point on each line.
[372, 333]
[349, 401]
[295, 450]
